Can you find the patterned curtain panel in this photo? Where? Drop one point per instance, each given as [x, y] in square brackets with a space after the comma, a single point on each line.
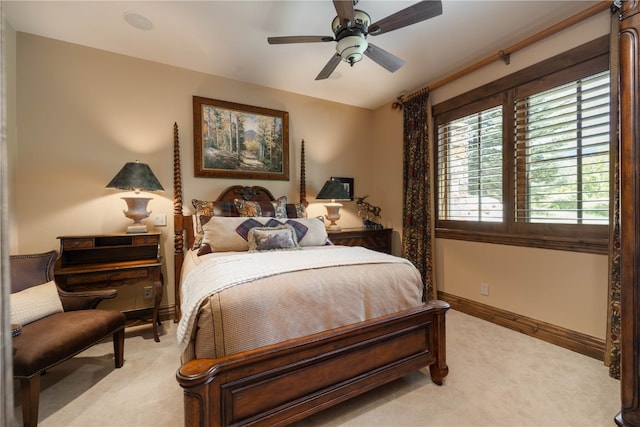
[612, 350]
[417, 227]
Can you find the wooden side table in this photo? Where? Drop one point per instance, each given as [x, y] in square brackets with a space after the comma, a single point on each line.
[370, 238]
[111, 260]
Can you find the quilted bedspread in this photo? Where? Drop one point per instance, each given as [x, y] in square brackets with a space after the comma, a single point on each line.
[233, 302]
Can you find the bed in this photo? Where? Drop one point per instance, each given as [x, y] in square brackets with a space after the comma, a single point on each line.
[268, 337]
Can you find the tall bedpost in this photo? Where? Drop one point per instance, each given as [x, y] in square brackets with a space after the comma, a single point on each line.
[303, 178]
[629, 155]
[178, 228]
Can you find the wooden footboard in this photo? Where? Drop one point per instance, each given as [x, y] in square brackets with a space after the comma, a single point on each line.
[282, 383]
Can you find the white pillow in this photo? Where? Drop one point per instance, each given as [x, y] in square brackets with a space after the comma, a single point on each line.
[224, 234]
[309, 231]
[35, 303]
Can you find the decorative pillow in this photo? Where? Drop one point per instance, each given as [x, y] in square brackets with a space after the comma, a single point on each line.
[199, 222]
[251, 208]
[268, 209]
[280, 207]
[225, 234]
[309, 231]
[282, 237]
[207, 209]
[204, 249]
[216, 208]
[34, 303]
[247, 208]
[296, 210]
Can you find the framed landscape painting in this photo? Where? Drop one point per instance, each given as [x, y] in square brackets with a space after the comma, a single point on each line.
[239, 141]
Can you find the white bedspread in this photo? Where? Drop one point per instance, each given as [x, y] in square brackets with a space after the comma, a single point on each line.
[217, 274]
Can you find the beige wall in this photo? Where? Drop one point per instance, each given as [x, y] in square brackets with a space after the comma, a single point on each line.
[9, 61]
[82, 113]
[562, 288]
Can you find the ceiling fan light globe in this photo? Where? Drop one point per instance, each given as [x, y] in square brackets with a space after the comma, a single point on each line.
[351, 48]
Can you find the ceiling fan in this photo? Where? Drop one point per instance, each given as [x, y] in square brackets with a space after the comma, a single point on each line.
[351, 28]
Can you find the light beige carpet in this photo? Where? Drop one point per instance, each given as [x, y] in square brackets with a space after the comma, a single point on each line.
[497, 377]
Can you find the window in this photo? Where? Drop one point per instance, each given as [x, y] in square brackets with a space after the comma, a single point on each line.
[562, 154]
[526, 162]
[470, 167]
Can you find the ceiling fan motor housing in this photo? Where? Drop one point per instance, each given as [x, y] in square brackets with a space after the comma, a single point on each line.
[351, 37]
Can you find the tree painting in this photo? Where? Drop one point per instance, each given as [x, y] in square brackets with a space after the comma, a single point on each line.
[240, 141]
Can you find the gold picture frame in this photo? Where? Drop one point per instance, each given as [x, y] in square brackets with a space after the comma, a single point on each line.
[233, 140]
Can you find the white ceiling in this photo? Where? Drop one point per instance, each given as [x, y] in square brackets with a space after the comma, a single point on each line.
[229, 39]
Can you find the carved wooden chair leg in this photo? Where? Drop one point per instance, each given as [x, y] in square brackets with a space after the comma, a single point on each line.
[30, 396]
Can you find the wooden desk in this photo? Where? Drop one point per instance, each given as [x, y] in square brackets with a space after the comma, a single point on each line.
[371, 238]
[111, 260]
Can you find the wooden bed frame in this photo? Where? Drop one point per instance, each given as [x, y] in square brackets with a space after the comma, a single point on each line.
[285, 382]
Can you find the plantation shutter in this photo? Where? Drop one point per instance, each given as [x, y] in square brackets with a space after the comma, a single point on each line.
[562, 154]
[470, 167]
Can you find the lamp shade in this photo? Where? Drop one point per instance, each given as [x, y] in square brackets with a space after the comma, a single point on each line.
[135, 176]
[333, 190]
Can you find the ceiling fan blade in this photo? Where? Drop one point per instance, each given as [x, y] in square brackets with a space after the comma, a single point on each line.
[384, 58]
[299, 39]
[328, 69]
[405, 17]
[344, 9]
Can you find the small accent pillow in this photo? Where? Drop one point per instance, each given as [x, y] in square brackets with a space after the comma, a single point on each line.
[296, 210]
[214, 208]
[35, 303]
[309, 231]
[198, 223]
[272, 238]
[280, 207]
[247, 208]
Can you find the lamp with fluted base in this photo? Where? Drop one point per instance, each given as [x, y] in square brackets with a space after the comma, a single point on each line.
[333, 190]
[136, 176]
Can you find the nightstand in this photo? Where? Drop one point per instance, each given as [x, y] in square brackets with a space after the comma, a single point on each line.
[112, 260]
[371, 238]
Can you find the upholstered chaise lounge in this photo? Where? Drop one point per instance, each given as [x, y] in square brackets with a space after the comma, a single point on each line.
[50, 340]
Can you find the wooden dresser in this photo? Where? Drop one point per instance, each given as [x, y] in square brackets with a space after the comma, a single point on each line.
[370, 238]
[112, 260]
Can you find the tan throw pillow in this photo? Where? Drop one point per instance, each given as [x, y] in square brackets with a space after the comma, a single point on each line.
[224, 234]
[35, 303]
[309, 231]
[207, 209]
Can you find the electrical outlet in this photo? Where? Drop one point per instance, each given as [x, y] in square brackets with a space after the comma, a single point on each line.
[148, 292]
[484, 289]
[159, 220]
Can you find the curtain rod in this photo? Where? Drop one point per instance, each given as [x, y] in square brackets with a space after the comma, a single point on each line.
[504, 54]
